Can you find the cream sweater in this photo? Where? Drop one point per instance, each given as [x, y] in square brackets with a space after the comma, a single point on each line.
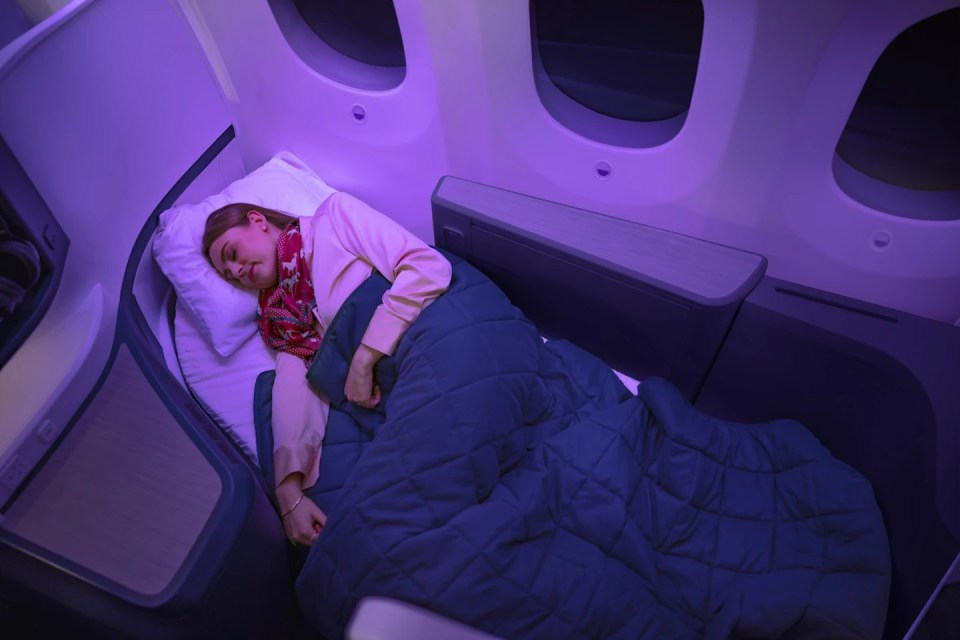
[344, 243]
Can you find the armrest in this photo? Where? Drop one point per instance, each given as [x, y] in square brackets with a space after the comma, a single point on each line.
[647, 301]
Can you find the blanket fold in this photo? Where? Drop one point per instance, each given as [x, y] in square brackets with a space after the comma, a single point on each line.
[518, 487]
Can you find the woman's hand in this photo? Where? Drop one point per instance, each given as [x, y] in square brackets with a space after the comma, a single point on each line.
[304, 523]
[360, 388]
[302, 519]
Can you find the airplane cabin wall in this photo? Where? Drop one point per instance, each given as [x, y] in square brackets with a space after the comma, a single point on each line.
[751, 167]
[841, 242]
[392, 159]
[106, 105]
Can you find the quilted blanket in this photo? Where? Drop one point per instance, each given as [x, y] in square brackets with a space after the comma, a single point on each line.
[519, 488]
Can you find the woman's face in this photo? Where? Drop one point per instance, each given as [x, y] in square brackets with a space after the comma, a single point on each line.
[246, 255]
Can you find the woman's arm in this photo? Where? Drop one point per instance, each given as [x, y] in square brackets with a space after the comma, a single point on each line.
[418, 274]
[359, 386]
[302, 519]
[299, 423]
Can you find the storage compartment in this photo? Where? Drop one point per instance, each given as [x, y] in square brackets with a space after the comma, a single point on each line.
[33, 251]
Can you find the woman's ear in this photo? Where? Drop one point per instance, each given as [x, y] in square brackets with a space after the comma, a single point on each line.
[254, 217]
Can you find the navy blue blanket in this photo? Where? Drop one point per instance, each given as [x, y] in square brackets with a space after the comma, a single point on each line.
[518, 487]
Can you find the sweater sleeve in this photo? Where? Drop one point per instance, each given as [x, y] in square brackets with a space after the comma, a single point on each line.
[299, 422]
[418, 273]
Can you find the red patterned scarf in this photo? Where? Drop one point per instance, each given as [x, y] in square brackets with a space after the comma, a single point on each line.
[286, 311]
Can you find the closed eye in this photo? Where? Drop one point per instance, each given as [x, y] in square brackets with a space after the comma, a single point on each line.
[228, 273]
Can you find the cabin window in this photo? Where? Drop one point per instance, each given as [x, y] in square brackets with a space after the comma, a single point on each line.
[618, 71]
[355, 42]
[900, 149]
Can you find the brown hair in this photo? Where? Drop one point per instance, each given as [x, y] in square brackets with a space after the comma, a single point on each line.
[235, 215]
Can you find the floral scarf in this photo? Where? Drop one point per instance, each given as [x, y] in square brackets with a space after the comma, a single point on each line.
[286, 311]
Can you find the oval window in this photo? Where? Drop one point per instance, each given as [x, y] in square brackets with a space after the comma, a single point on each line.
[634, 62]
[355, 42]
[900, 149]
[365, 30]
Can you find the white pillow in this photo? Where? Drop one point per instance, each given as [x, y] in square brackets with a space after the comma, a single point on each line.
[226, 315]
[223, 385]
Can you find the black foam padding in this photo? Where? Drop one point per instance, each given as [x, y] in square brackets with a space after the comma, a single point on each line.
[11, 294]
[19, 262]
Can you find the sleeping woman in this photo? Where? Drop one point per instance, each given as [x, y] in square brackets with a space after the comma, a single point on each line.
[304, 269]
[524, 471]
[518, 486]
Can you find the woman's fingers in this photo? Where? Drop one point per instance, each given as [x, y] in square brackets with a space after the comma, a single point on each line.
[361, 390]
[318, 521]
[304, 524]
[369, 403]
[319, 516]
[356, 388]
[359, 387]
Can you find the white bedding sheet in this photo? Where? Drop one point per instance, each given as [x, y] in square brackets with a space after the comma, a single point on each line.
[224, 384]
[628, 382]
